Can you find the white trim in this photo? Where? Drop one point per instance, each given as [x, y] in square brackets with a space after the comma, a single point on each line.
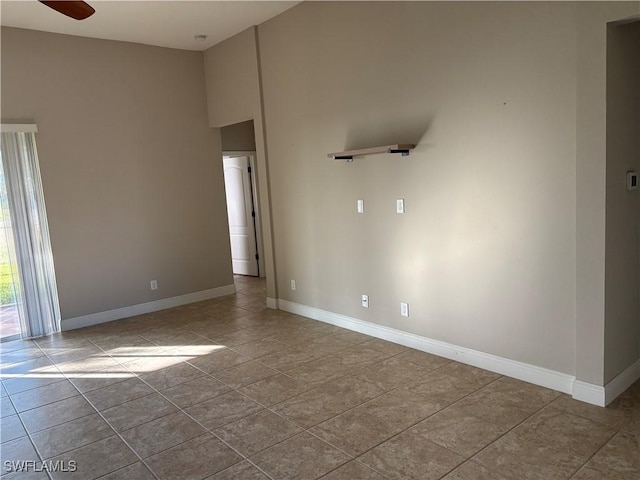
[272, 303]
[621, 382]
[504, 366]
[588, 392]
[19, 128]
[139, 309]
[238, 153]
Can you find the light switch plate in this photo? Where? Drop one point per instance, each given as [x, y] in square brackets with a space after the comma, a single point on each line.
[360, 205]
[400, 205]
[365, 301]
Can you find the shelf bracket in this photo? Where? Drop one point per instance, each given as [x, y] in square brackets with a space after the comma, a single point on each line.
[403, 152]
[348, 158]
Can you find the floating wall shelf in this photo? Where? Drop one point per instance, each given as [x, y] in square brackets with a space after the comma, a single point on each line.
[402, 149]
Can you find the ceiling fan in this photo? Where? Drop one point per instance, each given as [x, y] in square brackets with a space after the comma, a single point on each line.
[74, 9]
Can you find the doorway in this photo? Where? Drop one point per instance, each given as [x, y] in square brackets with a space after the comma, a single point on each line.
[622, 254]
[248, 210]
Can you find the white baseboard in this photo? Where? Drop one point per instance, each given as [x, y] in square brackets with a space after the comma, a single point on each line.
[139, 309]
[504, 366]
[589, 393]
[272, 303]
[621, 382]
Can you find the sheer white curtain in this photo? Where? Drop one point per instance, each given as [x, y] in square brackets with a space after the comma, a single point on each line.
[38, 296]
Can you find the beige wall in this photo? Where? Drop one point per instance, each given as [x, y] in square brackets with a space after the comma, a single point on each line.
[622, 321]
[485, 254]
[132, 187]
[231, 69]
[238, 137]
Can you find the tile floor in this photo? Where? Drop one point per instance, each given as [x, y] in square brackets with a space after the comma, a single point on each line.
[226, 389]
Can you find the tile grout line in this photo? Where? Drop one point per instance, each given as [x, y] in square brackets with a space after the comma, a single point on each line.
[243, 394]
[79, 394]
[270, 409]
[308, 430]
[616, 432]
[601, 423]
[402, 386]
[469, 458]
[410, 426]
[264, 407]
[110, 426]
[276, 413]
[181, 410]
[28, 434]
[421, 420]
[507, 432]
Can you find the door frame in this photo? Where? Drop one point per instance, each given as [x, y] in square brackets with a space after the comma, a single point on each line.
[256, 202]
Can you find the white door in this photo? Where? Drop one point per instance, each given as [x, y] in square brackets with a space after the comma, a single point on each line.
[242, 227]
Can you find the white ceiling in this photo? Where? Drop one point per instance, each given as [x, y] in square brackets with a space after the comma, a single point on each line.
[152, 22]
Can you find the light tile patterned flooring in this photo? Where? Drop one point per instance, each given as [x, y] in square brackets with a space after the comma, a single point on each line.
[226, 389]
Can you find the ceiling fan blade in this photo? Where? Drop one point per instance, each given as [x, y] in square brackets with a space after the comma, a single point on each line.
[74, 9]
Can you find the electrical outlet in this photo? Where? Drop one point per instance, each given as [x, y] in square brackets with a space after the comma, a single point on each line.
[154, 284]
[293, 284]
[400, 205]
[404, 309]
[365, 301]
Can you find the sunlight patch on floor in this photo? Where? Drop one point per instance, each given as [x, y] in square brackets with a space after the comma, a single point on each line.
[119, 362]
